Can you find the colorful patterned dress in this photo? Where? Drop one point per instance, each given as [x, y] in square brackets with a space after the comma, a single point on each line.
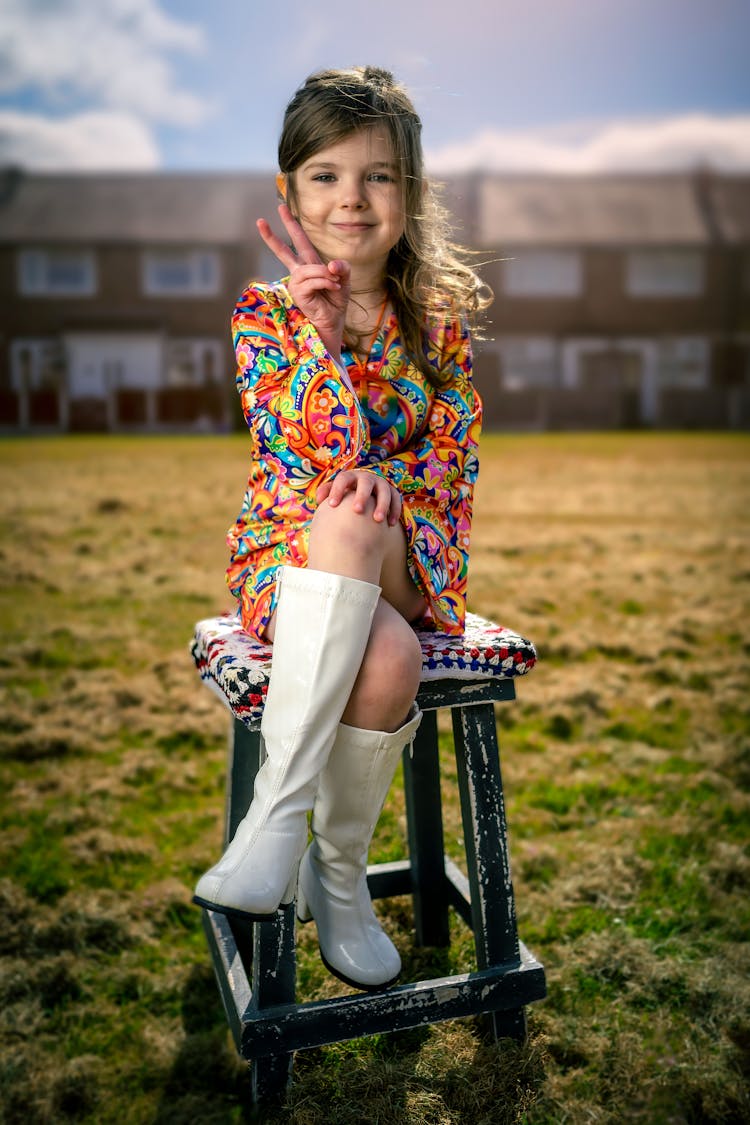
[306, 426]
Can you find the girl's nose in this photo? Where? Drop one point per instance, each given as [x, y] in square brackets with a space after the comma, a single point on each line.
[352, 195]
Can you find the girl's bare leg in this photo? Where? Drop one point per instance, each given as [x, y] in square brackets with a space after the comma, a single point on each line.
[353, 544]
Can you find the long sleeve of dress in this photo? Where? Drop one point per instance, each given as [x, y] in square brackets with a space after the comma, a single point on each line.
[304, 420]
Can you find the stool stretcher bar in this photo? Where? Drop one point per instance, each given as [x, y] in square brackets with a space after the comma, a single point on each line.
[283, 1028]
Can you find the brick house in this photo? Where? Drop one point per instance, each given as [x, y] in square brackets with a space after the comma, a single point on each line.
[621, 299]
[115, 296]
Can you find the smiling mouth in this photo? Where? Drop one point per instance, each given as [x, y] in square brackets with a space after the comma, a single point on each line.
[353, 226]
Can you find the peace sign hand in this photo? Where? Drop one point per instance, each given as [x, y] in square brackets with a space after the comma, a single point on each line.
[321, 291]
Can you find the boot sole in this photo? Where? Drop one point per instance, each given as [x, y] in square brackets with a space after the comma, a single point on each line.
[234, 912]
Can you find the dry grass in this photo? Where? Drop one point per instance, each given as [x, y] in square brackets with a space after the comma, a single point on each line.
[626, 763]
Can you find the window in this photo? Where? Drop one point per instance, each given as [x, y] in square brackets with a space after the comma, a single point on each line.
[683, 362]
[36, 365]
[543, 273]
[181, 273]
[664, 273]
[59, 273]
[528, 361]
[193, 362]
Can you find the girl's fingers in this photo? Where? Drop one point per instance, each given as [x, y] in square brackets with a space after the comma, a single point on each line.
[304, 247]
[363, 484]
[306, 254]
[308, 282]
[383, 500]
[285, 255]
[345, 481]
[387, 500]
[340, 485]
[365, 487]
[340, 269]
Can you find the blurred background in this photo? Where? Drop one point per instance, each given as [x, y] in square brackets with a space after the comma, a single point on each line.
[596, 156]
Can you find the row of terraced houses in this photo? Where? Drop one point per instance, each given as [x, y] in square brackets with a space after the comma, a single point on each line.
[621, 300]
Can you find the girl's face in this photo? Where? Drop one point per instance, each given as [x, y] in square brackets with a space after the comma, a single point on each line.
[349, 199]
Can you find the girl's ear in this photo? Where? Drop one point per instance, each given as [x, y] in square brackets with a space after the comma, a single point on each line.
[281, 185]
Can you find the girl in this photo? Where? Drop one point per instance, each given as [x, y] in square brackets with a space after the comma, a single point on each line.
[354, 374]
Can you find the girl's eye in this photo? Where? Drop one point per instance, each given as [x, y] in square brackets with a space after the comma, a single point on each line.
[381, 178]
[324, 178]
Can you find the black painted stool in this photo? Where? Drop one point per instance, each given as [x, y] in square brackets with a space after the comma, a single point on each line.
[255, 962]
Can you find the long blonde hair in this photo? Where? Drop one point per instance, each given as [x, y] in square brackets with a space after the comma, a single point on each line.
[426, 274]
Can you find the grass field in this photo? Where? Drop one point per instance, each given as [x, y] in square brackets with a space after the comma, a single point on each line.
[626, 762]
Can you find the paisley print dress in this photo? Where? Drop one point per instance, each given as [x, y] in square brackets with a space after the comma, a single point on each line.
[306, 426]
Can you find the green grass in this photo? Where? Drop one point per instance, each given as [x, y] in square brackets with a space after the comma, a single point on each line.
[626, 762]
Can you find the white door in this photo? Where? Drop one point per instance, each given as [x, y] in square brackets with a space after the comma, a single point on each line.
[100, 363]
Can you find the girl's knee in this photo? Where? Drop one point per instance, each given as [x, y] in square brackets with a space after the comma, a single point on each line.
[395, 655]
[389, 676]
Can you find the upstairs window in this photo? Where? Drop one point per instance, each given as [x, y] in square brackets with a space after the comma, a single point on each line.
[56, 273]
[664, 273]
[543, 273]
[181, 273]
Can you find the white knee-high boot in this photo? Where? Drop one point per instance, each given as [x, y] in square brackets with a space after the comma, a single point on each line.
[322, 626]
[333, 872]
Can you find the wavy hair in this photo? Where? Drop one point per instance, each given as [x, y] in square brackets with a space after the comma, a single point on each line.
[427, 275]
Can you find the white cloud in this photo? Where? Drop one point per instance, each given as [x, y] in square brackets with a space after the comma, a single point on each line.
[97, 141]
[661, 144]
[84, 54]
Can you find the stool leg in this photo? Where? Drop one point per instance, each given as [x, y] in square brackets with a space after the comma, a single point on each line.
[486, 840]
[425, 827]
[244, 763]
[267, 949]
[273, 982]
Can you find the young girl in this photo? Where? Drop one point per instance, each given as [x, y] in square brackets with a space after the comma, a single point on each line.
[354, 374]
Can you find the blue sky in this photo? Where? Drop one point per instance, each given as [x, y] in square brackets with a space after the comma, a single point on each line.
[517, 84]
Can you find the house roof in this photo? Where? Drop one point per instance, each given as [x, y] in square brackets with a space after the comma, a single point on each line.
[492, 210]
[624, 209]
[153, 207]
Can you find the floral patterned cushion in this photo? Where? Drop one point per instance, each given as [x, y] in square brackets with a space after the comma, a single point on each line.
[237, 667]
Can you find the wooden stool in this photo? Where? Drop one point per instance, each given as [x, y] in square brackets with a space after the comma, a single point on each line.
[255, 962]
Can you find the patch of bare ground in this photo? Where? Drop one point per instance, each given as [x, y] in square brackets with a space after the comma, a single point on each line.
[626, 761]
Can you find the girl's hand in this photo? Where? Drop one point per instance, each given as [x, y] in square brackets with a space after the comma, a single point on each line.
[320, 291]
[363, 484]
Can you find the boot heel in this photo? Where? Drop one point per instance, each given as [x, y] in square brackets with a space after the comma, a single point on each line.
[303, 910]
[290, 893]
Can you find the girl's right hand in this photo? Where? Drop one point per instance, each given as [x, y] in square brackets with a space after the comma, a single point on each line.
[320, 291]
[364, 485]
